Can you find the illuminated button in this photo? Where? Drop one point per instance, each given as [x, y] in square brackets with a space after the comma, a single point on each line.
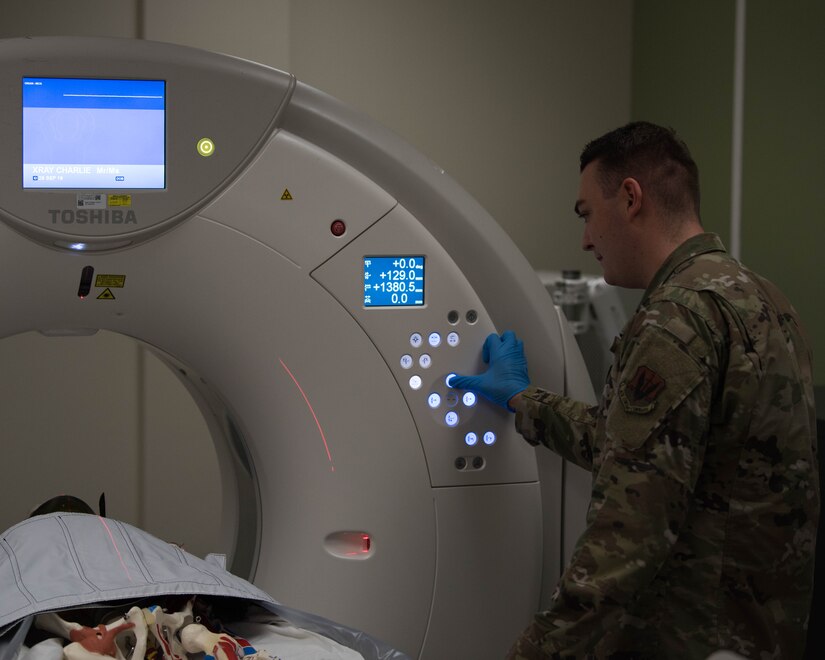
[425, 361]
[415, 382]
[470, 439]
[434, 400]
[434, 339]
[206, 147]
[469, 399]
[453, 339]
[489, 438]
[406, 361]
[448, 378]
[416, 339]
[451, 418]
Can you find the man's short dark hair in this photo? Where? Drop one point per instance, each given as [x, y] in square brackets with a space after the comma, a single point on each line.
[655, 157]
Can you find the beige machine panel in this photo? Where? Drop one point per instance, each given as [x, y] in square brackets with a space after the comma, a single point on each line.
[293, 198]
[467, 440]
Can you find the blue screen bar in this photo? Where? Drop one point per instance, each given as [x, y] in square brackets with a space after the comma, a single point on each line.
[93, 93]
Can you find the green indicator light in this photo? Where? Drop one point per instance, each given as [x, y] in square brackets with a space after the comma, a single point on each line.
[206, 147]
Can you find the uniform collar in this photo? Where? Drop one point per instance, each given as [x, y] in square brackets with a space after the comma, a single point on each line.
[692, 247]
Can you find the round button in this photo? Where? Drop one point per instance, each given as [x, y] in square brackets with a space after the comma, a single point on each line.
[453, 339]
[471, 439]
[469, 399]
[416, 339]
[451, 418]
[489, 438]
[338, 228]
[452, 399]
[425, 361]
[206, 147]
[434, 400]
[406, 361]
[448, 379]
[415, 382]
[434, 339]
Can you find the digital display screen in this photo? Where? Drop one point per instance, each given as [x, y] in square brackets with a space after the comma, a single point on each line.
[94, 133]
[393, 281]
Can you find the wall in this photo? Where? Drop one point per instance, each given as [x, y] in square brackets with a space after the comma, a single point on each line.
[113, 18]
[784, 155]
[683, 78]
[683, 63]
[503, 96]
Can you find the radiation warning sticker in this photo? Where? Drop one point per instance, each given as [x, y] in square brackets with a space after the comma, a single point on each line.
[106, 294]
[287, 196]
[113, 281]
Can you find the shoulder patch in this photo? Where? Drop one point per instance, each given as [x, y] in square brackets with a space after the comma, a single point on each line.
[657, 379]
[639, 394]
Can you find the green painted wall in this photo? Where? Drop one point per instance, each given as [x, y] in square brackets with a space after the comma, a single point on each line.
[682, 76]
[682, 71]
[783, 199]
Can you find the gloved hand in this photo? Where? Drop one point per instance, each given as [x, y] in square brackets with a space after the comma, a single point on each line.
[507, 375]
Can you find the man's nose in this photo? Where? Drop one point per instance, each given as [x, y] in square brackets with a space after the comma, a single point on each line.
[587, 245]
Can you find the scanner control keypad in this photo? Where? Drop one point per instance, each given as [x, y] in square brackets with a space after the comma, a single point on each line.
[449, 407]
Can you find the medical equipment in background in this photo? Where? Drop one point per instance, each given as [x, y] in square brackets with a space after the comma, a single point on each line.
[312, 280]
[595, 313]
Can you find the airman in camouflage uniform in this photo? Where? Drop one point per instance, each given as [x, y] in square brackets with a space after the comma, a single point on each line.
[701, 529]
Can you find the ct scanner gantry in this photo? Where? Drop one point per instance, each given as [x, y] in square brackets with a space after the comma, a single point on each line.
[313, 280]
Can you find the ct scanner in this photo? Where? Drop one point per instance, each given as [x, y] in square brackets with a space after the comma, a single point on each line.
[313, 280]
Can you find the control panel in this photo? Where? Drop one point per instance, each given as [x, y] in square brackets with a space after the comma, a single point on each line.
[428, 323]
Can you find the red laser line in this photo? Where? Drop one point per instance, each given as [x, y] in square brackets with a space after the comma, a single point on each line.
[117, 550]
[311, 410]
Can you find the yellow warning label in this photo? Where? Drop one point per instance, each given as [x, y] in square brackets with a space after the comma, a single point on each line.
[286, 196]
[120, 200]
[106, 295]
[114, 281]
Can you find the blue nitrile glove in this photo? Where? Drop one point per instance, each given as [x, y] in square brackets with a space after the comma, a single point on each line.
[507, 375]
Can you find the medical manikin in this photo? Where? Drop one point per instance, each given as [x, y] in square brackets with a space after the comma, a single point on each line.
[91, 588]
[312, 281]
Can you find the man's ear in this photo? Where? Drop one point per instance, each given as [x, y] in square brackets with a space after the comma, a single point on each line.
[632, 196]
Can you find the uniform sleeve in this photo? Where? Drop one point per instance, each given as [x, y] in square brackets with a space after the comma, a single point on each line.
[563, 425]
[656, 427]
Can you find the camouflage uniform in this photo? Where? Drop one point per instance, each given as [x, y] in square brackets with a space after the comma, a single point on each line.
[702, 523]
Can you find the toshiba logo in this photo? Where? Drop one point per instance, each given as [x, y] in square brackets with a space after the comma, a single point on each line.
[93, 217]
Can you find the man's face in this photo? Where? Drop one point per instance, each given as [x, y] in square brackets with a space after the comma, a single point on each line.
[605, 232]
